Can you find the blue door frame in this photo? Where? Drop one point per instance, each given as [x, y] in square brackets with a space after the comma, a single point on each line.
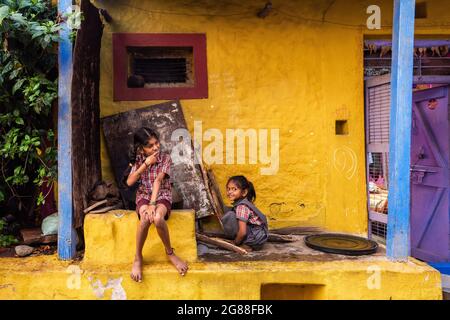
[398, 238]
[66, 233]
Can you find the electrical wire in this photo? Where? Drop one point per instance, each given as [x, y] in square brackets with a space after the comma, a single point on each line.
[252, 14]
[354, 26]
[249, 13]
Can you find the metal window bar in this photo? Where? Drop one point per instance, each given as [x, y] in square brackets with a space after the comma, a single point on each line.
[377, 119]
[378, 230]
[161, 70]
[426, 65]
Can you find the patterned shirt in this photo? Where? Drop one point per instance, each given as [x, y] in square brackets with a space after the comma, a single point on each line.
[148, 177]
[246, 214]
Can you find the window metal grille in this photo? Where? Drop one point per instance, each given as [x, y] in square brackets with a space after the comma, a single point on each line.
[161, 70]
[379, 229]
[378, 112]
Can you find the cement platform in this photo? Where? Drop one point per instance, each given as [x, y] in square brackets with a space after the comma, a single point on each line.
[302, 274]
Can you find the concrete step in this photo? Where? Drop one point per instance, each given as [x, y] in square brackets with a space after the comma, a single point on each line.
[45, 277]
[110, 238]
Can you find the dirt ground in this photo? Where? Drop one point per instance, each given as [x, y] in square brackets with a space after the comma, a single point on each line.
[271, 251]
[291, 251]
[38, 250]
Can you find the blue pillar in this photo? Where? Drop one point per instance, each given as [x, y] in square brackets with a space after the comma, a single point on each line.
[398, 237]
[66, 233]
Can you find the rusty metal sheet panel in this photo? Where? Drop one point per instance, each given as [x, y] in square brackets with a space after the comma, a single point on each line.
[168, 120]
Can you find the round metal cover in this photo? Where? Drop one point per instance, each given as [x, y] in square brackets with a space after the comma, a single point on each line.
[341, 244]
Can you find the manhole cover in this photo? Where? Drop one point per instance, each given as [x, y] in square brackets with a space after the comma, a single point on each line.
[341, 244]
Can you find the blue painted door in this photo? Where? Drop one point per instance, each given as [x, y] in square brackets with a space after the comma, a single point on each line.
[430, 175]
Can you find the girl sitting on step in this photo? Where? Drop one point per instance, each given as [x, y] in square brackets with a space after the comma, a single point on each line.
[245, 223]
[151, 170]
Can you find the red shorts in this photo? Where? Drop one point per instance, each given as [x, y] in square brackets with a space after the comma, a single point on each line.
[145, 202]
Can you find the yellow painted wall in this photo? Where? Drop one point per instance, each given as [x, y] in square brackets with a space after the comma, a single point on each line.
[286, 72]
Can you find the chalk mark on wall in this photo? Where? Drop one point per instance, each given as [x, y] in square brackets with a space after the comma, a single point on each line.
[374, 279]
[277, 208]
[345, 161]
[351, 211]
[3, 286]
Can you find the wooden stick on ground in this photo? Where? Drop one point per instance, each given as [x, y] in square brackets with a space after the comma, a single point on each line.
[95, 205]
[297, 230]
[106, 209]
[221, 243]
[280, 238]
[214, 234]
[272, 237]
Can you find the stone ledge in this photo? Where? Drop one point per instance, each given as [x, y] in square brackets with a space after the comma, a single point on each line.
[45, 277]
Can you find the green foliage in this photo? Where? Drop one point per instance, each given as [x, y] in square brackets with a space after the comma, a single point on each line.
[28, 88]
[5, 240]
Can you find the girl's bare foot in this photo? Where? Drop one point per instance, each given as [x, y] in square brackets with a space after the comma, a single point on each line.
[136, 271]
[246, 248]
[181, 266]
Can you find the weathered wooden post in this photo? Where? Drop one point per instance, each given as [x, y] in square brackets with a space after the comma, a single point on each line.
[398, 237]
[66, 233]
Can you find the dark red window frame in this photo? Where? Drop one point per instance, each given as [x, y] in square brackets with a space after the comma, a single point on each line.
[120, 60]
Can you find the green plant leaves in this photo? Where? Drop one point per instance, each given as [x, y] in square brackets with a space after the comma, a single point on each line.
[7, 68]
[5, 240]
[18, 85]
[4, 12]
[19, 178]
[40, 199]
[18, 19]
[28, 34]
[19, 121]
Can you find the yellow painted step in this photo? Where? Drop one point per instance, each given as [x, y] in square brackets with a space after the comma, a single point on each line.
[110, 238]
[45, 277]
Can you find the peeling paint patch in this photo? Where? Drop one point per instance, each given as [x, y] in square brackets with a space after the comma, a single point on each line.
[3, 286]
[119, 215]
[118, 292]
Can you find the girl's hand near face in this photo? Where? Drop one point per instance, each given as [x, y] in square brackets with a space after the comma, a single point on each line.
[151, 159]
